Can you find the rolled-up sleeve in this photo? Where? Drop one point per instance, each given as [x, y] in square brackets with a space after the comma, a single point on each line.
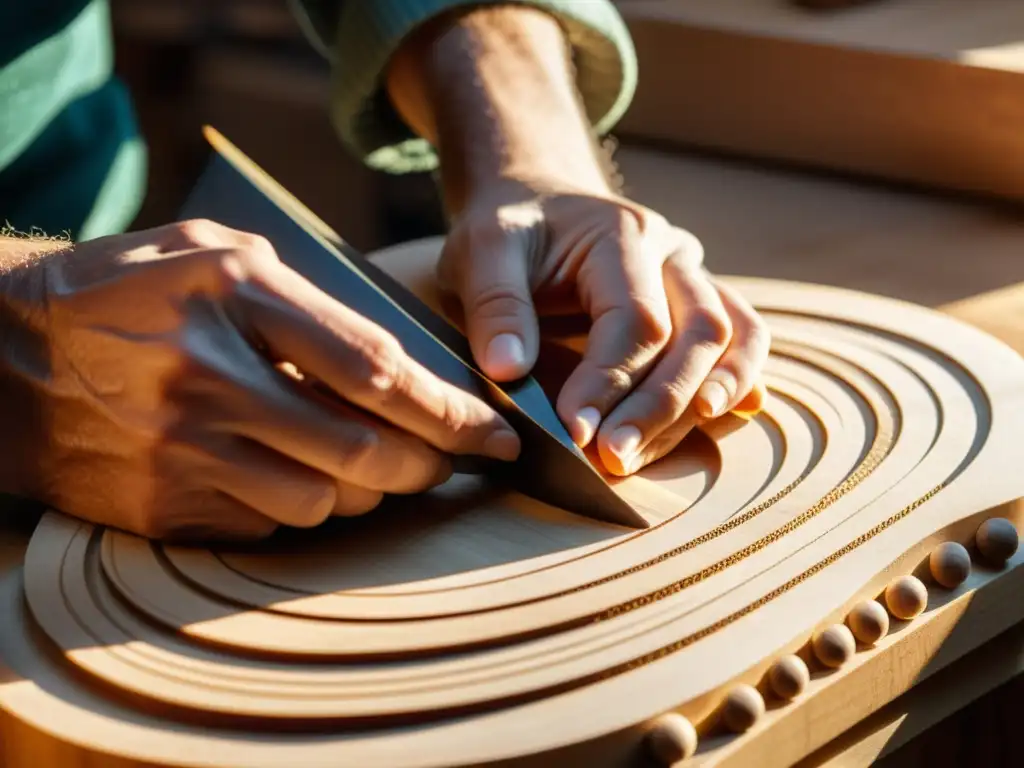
[360, 36]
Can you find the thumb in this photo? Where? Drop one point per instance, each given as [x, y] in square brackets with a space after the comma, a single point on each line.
[493, 285]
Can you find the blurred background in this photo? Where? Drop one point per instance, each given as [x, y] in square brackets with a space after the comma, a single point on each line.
[784, 131]
[244, 67]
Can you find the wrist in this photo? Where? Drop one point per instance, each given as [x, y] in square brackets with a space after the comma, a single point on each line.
[493, 90]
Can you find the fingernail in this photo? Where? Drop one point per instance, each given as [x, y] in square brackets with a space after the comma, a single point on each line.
[623, 443]
[587, 421]
[502, 445]
[711, 399]
[506, 356]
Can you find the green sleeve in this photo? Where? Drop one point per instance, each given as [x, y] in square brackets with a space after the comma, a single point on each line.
[360, 37]
[71, 156]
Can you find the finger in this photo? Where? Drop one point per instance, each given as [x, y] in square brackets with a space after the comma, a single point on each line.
[669, 440]
[736, 372]
[272, 484]
[351, 500]
[331, 437]
[701, 333]
[230, 390]
[753, 403]
[666, 441]
[211, 517]
[624, 294]
[494, 289]
[366, 366]
[205, 234]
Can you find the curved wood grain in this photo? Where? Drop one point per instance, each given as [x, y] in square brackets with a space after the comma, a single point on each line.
[889, 428]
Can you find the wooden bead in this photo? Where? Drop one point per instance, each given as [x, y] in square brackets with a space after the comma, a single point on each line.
[950, 564]
[742, 708]
[788, 677]
[672, 738]
[868, 621]
[906, 597]
[997, 540]
[834, 646]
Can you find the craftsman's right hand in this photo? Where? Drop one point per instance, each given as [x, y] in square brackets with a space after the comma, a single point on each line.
[147, 383]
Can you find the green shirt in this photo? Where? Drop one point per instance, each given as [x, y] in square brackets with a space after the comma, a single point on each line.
[71, 157]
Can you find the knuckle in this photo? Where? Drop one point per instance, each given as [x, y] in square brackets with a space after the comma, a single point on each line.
[463, 423]
[690, 246]
[255, 251]
[648, 324]
[231, 266]
[500, 301]
[257, 244]
[670, 398]
[686, 251]
[606, 384]
[201, 233]
[616, 378]
[359, 448]
[383, 373]
[759, 335]
[456, 418]
[220, 246]
[709, 326]
[217, 270]
[661, 403]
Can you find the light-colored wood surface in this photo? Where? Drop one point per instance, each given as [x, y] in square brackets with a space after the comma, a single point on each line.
[929, 92]
[801, 227]
[888, 432]
[1001, 313]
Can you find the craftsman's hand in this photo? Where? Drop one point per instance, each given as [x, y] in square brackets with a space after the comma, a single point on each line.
[182, 382]
[537, 228]
[668, 346]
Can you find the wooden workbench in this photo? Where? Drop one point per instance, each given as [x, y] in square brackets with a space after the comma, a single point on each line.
[929, 92]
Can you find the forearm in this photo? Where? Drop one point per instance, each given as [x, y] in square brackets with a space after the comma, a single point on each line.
[23, 351]
[21, 284]
[493, 90]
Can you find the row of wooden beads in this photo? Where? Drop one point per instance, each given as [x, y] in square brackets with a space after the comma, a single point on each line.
[673, 737]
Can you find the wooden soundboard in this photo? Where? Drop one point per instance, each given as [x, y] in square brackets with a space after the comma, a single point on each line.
[929, 92]
[475, 626]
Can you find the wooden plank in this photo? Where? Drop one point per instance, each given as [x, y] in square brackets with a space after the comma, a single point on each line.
[926, 92]
[794, 225]
[999, 312]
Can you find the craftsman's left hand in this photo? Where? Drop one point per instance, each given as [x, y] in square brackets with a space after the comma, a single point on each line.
[669, 346]
[536, 229]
